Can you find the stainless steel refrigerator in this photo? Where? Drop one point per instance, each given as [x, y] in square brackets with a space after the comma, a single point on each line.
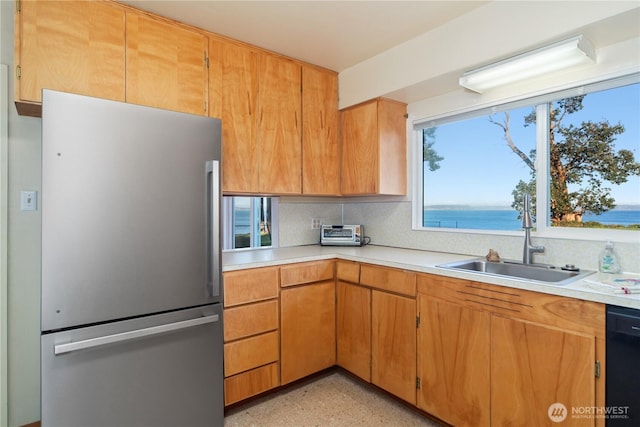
[131, 281]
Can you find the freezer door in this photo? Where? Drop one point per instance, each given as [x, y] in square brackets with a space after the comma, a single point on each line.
[130, 210]
[163, 370]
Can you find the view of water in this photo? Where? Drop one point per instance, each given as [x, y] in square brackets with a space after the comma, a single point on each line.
[508, 219]
[480, 219]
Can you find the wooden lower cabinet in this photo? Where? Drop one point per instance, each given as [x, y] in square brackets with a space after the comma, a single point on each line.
[453, 362]
[533, 367]
[353, 317]
[482, 355]
[393, 344]
[251, 333]
[308, 339]
[250, 383]
[490, 355]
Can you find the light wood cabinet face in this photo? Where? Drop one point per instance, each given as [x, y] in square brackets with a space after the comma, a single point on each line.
[306, 272]
[280, 126]
[250, 383]
[246, 286]
[360, 155]
[348, 271]
[308, 340]
[531, 349]
[533, 367]
[453, 362]
[246, 354]
[166, 65]
[374, 146]
[388, 279]
[393, 344]
[250, 319]
[70, 46]
[234, 98]
[354, 329]
[320, 147]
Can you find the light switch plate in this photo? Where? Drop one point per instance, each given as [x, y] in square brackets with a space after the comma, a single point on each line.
[28, 200]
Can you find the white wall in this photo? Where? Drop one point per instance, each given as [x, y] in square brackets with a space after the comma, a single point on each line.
[23, 247]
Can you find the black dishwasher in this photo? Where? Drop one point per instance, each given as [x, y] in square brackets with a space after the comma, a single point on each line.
[623, 367]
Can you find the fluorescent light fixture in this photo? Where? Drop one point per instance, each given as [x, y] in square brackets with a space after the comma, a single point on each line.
[557, 56]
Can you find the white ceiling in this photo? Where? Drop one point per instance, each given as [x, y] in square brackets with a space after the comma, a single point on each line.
[333, 34]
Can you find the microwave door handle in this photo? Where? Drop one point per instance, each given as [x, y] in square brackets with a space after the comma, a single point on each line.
[212, 228]
[131, 335]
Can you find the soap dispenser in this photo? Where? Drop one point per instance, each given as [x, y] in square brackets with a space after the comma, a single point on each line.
[609, 260]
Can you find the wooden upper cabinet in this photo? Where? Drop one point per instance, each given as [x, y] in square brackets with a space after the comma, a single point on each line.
[280, 125]
[166, 65]
[320, 129]
[233, 97]
[70, 46]
[258, 97]
[374, 144]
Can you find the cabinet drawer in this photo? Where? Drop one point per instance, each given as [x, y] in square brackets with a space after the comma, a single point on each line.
[250, 383]
[552, 310]
[241, 287]
[240, 356]
[348, 271]
[252, 319]
[306, 272]
[389, 279]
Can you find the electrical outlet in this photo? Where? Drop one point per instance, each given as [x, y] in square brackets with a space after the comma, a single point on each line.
[316, 223]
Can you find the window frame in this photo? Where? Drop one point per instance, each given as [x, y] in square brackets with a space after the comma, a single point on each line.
[542, 228]
[228, 224]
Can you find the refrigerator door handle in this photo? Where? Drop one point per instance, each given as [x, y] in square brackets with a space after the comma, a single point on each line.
[213, 228]
[127, 336]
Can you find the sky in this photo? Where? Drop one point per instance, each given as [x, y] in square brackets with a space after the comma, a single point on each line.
[483, 170]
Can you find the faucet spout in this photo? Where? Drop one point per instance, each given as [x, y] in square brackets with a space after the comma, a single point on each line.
[527, 225]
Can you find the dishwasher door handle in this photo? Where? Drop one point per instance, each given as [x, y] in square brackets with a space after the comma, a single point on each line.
[131, 335]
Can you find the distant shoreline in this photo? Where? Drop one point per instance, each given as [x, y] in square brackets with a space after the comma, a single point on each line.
[626, 207]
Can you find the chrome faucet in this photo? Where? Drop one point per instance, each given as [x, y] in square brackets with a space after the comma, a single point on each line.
[529, 249]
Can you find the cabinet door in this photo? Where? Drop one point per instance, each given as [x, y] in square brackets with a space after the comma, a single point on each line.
[234, 97]
[533, 367]
[166, 65]
[354, 329]
[308, 340]
[360, 149]
[320, 155]
[393, 344]
[280, 126]
[70, 46]
[453, 361]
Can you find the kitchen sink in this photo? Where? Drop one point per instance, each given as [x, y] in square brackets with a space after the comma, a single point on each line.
[517, 270]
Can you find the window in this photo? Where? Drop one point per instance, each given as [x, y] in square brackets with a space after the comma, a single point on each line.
[577, 153]
[249, 222]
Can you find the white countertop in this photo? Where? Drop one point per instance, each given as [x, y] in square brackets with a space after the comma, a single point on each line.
[423, 262]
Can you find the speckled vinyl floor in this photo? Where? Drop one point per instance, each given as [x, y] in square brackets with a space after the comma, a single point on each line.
[334, 400]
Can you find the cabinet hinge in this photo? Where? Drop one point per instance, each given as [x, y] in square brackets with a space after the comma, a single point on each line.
[418, 383]
[597, 369]
[418, 320]
[18, 72]
[18, 6]
[206, 60]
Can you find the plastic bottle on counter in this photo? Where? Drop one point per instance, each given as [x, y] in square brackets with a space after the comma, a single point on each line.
[609, 260]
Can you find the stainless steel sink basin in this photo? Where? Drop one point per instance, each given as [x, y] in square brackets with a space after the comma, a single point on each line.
[517, 270]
